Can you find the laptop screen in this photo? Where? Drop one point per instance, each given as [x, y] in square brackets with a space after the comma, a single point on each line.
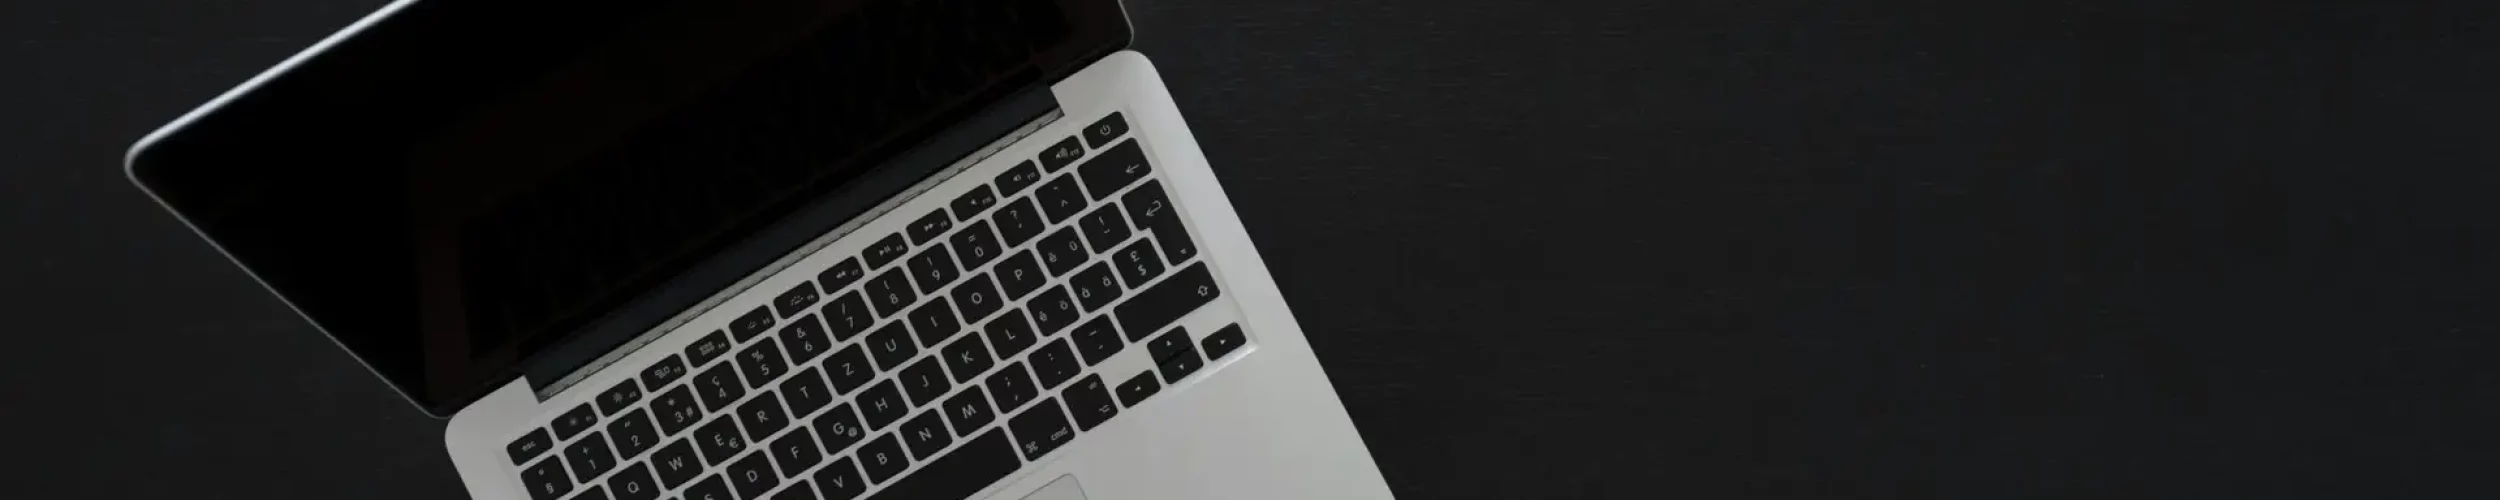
[466, 181]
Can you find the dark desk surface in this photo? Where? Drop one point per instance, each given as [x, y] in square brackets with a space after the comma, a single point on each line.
[1618, 249]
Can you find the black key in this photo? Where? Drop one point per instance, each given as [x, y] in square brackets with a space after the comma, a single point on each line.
[889, 293]
[840, 275]
[751, 324]
[1096, 340]
[1094, 287]
[1147, 205]
[972, 203]
[934, 269]
[705, 349]
[849, 369]
[1018, 222]
[618, 397]
[1137, 263]
[1167, 301]
[1152, 211]
[847, 316]
[967, 411]
[1061, 199]
[1168, 344]
[1054, 363]
[795, 452]
[574, 421]
[885, 251]
[1105, 129]
[805, 337]
[1223, 341]
[669, 369]
[1010, 334]
[976, 298]
[1020, 274]
[924, 381]
[959, 474]
[934, 322]
[797, 491]
[763, 415]
[634, 483]
[974, 245]
[1017, 178]
[1138, 388]
[633, 434]
[929, 227]
[590, 456]
[547, 480]
[926, 434]
[1052, 311]
[1104, 227]
[529, 446]
[839, 429]
[719, 439]
[883, 457]
[676, 410]
[1062, 251]
[806, 393]
[796, 300]
[966, 358]
[677, 463]
[1116, 168]
[594, 493]
[1090, 402]
[1011, 387]
[892, 346]
[1066, 152]
[753, 475]
[882, 404]
[840, 481]
[1181, 365]
[710, 488]
[1041, 429]
[761, 363]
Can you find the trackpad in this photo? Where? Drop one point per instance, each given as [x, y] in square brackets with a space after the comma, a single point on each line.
[1063, 488]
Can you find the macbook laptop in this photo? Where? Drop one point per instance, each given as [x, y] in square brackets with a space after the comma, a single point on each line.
[771, 249]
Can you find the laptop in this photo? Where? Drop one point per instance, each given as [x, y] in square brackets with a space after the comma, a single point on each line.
[771, 250]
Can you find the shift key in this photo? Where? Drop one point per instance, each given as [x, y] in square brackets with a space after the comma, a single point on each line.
[1169, 300]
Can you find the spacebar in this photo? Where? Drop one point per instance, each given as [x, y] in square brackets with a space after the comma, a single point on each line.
[959, 473]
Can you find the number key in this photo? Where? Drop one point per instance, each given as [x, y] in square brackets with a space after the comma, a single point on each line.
[633, 434]
[676, 410]
[761, 363]
[933, 269]
[891, 292]
[847, 316]
[805, 337]
[974, 245]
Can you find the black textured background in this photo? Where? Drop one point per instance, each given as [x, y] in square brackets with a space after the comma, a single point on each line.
[1619, 249]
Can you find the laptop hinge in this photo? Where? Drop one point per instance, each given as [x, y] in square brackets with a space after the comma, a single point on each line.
[811, 227]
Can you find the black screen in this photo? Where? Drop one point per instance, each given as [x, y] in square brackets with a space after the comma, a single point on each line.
[467, 181]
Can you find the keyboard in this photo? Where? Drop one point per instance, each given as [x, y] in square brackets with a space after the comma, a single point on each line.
[936, 361]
